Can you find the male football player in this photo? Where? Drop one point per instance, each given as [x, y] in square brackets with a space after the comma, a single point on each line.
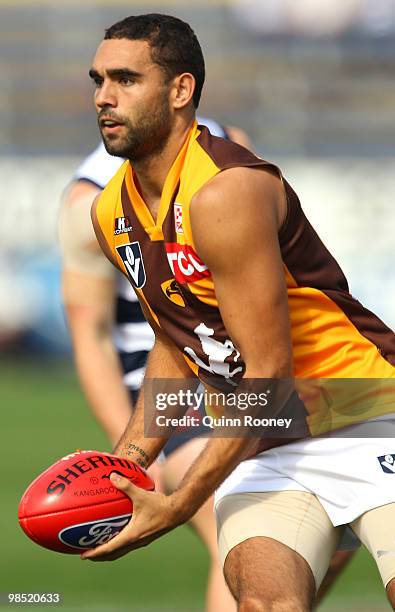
[260, 299]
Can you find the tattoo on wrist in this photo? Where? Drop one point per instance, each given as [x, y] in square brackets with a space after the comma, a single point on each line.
[132, 449]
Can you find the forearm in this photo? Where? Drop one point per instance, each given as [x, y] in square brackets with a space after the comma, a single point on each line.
[164, 362]
[133, 444]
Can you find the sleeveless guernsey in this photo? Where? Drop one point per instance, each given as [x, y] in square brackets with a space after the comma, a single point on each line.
[333, 335]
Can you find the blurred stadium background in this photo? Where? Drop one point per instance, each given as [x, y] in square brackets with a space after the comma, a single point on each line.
[312, 82]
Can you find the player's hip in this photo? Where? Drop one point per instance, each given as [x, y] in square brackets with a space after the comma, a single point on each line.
[349, 475]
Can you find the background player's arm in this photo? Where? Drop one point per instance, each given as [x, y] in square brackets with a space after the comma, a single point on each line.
[88, 284]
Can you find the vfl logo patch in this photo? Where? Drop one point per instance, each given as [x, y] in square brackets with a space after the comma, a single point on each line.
[132, 259]
[88, 535]
[387, 463]
[178, 218]
[122, 225]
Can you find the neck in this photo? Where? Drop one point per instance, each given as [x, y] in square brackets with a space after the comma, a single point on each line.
[152, 171]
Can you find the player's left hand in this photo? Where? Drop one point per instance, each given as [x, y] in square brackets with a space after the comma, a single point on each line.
[154, 515]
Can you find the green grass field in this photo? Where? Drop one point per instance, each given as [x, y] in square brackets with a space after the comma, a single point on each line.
[45, 417]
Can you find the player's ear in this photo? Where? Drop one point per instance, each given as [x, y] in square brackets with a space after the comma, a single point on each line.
[183, 89]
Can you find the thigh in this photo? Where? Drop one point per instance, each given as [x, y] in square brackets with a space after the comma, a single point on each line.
[376, 530]
[264, 574]
[294, 519]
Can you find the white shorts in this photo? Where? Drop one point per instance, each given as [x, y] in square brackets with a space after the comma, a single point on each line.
[349, 476]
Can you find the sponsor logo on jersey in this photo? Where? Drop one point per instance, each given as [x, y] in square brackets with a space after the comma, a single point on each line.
[122, 225]
[94, 533]
[172, 292]
[185, 263]
[178, 218]
[132, 259]
[387, 463]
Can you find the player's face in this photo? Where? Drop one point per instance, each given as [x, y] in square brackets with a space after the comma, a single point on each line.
[131, 99]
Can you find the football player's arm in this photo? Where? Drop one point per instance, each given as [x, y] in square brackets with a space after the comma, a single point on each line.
[242, 252]
[88, 285]
[165, 362]
[235, 222]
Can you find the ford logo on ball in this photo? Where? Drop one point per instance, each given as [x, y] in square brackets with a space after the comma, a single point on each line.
[94, 533]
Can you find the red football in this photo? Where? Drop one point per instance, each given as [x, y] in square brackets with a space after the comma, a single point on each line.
[73, 505]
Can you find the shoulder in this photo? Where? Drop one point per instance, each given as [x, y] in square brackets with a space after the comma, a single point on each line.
[241, 191]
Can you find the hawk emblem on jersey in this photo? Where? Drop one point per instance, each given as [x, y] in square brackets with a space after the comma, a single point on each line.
[122, 225]
[178, 218]
[171, 291]
[132, 259]
[217, 353]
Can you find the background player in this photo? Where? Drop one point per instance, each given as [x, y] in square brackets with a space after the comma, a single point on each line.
[111, 339]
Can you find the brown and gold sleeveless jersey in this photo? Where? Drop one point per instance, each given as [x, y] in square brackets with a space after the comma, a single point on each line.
[333, 335]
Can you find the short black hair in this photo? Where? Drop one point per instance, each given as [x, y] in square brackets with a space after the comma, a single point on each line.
[174, 45]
